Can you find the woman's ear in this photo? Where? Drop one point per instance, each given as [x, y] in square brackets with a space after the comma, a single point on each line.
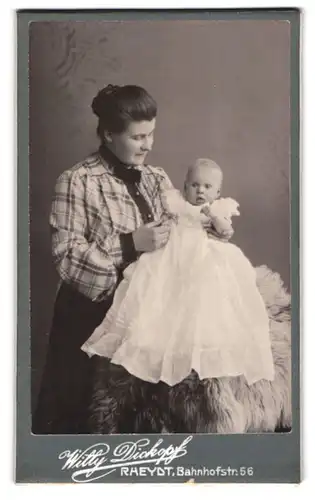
[107, 136]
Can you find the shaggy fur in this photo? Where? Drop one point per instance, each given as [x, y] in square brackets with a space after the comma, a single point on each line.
[122, 403]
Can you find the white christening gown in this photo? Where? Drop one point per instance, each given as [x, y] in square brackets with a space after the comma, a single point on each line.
[192, 304]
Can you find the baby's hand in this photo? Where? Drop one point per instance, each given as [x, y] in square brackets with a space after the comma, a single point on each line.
[222, 224]
[227, 234]
[213, 233]
[219, 228]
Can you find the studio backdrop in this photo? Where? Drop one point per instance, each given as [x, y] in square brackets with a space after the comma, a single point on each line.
[223, 92]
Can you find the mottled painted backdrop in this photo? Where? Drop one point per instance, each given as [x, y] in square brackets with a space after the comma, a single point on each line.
[223, 91]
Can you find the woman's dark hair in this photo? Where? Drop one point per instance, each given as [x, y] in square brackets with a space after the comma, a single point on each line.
[117, 106]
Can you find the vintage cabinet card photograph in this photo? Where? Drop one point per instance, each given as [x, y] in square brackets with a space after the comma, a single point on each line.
[158, 246]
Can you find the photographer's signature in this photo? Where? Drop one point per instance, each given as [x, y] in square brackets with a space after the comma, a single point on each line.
[99, 460]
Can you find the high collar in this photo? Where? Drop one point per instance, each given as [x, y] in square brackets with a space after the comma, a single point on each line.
[126, 173]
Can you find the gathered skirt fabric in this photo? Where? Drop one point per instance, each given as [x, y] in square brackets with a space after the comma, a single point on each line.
[192, 305]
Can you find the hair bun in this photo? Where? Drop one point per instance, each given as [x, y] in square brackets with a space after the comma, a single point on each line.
[100, 101]
[110, 89]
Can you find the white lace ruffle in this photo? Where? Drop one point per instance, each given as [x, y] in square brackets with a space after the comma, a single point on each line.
[193, 304]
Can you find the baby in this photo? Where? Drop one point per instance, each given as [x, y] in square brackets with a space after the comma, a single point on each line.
[202, 187]
[203, 182]
[194, 304]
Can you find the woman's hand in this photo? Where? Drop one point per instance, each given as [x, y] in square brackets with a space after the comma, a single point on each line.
[151, 236]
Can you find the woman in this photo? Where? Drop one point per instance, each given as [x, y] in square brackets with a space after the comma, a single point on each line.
[106, 211]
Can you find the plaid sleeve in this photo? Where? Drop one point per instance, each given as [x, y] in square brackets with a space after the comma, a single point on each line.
[88, 266]
[166, 182]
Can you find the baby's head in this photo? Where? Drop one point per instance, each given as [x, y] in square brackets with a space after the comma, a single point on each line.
[203, 182]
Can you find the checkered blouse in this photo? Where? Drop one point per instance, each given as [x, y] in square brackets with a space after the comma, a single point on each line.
[93, 214]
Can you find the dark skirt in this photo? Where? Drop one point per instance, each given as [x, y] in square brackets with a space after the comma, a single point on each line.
[66, 387]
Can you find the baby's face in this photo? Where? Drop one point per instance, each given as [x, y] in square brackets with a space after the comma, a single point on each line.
[203, 185]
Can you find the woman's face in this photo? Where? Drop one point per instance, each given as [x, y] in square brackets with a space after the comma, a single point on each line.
[132, 145]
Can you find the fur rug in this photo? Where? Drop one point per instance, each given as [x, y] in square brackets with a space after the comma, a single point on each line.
[225, 405]
[229, 404]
